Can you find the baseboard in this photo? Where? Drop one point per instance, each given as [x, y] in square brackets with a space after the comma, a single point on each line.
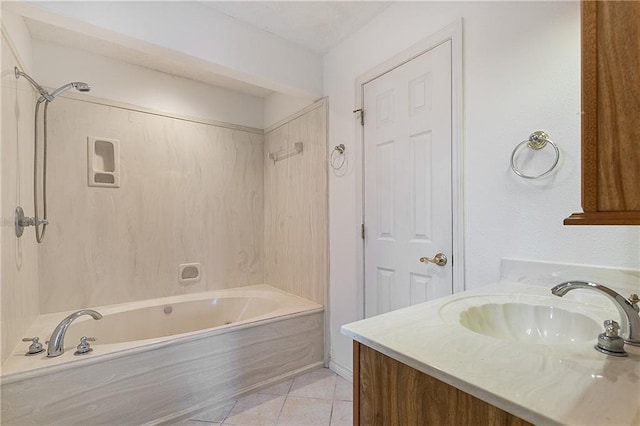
[341, 370]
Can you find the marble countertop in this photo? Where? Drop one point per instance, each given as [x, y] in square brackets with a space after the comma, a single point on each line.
[568, 383]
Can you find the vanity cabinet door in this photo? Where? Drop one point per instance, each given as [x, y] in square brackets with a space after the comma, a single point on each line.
[387, 392]
[611, 114]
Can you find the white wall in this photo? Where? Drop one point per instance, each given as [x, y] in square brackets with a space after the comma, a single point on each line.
[55, 66]
[521, 73]
[192, 33]
[18, 36]
[278, 106]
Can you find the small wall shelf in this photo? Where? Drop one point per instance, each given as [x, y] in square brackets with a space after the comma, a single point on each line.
[103, 162]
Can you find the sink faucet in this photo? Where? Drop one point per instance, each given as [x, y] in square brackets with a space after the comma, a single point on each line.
[630, 324]
[56, 342]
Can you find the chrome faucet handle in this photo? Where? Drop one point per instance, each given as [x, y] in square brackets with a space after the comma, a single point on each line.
[84, 348]
[609, 342]
[634, 299]
[611, 328]
[35, 347]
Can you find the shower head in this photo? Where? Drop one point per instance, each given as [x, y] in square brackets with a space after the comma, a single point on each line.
[83, 87]
[78, 85]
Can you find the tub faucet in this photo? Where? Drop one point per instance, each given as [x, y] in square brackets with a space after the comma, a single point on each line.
[630, 319]
[56, 342]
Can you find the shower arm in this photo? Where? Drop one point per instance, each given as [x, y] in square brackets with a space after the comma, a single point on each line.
[44, 94]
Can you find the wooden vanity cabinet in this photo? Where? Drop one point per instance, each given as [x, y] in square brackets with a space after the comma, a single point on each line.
[611, 114]
[388, 392]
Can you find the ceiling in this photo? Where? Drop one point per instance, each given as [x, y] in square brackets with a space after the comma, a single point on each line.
[315, 25]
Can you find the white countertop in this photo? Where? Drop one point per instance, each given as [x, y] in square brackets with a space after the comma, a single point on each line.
[567, 383]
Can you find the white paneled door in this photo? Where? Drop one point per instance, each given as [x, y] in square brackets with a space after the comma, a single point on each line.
[407, 183]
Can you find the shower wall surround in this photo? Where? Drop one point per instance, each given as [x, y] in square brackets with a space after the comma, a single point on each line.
[296, 216]
[189, 193]
[18, 268]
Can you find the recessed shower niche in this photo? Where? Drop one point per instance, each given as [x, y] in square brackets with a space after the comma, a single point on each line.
[103, 162]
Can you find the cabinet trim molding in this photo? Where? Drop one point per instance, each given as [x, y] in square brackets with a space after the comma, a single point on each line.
[603, 218]
[589, 107]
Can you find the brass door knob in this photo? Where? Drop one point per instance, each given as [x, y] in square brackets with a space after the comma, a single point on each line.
[439, 259]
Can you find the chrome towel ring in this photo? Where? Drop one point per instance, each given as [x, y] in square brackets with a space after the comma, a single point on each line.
[336, 155]
[537, 140]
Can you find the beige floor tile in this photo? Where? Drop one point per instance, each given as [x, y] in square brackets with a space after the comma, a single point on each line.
[256, 409]
[344, 390]
[216, 415]
[305, 411]
[191, 422]
[342, 414]
[316, 384]
[279, 389]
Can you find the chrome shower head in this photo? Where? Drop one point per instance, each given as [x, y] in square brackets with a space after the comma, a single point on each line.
[78, 85]
[82, 87]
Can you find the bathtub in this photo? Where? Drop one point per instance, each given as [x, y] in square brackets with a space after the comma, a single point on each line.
[164, 359]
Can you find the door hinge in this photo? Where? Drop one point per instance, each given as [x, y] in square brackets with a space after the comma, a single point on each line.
[361, 112]
[362, 231]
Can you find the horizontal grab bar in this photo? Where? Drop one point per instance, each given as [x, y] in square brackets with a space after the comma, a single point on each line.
[286, 152]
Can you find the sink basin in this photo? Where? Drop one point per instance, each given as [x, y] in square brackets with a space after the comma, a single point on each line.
[529, 323]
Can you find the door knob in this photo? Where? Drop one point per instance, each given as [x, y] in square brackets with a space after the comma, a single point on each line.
[439, 259]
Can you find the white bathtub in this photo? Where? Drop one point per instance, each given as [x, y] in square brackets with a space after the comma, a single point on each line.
[162, 359]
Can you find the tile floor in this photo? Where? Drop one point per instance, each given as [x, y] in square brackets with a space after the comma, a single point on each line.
[320, 397]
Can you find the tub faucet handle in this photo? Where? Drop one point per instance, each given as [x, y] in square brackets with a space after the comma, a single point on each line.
[84, 347]
[35, 347]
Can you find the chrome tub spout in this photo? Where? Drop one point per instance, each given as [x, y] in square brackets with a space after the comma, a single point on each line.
[56, 342]
[630, 319]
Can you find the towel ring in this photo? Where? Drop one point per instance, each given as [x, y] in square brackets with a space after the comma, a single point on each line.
[537, 140]
[339, 150]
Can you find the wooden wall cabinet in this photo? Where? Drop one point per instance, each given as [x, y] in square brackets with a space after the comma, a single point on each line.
[611, 114]
[387, 392]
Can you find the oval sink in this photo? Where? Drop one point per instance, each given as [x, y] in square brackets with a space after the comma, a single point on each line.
[523, 322]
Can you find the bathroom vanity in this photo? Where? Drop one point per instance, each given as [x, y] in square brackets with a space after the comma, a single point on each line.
[471, 359]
